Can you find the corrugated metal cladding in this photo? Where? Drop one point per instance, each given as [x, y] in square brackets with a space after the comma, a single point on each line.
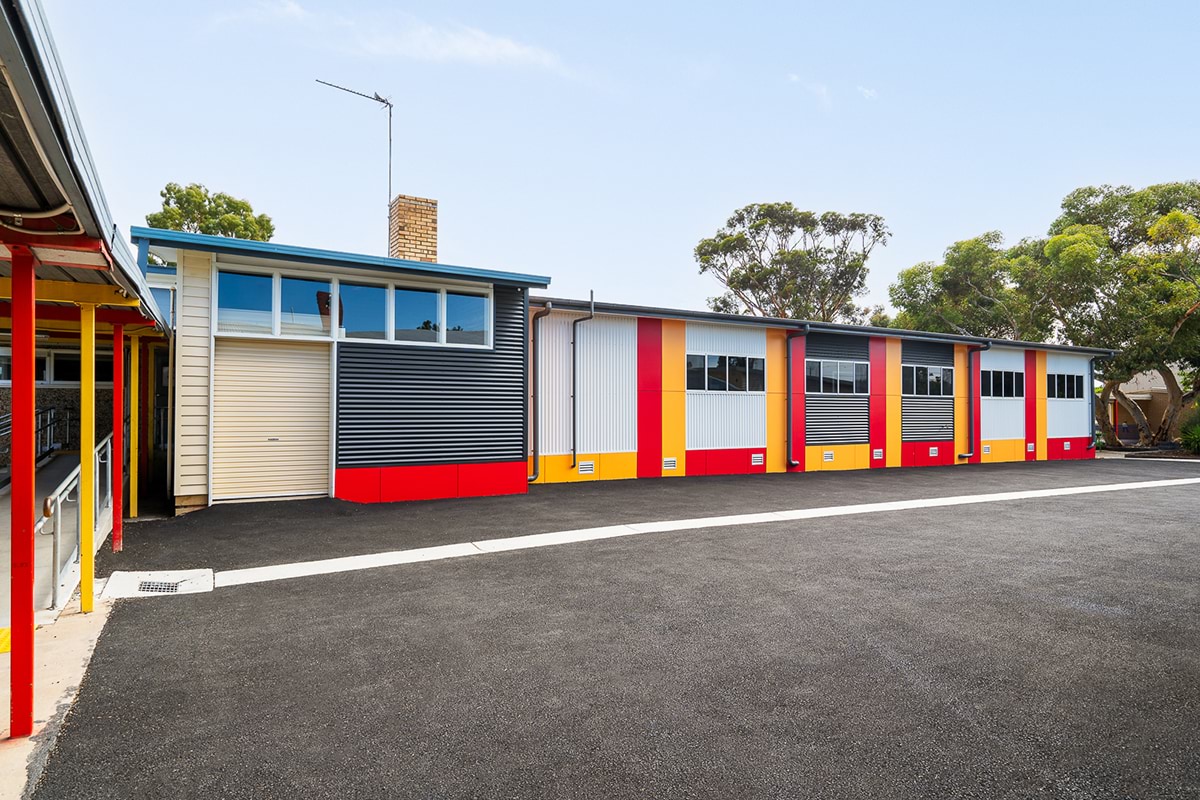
[607, 384]
[726, 340]
[930, 354]
[837, 345]
[834, 419]
[399, 404]
[926, 419]
[1067, 417]
[722, 420]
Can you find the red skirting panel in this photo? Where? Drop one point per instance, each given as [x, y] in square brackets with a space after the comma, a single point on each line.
[430, 482]
[649, 398]
[1069, 448]
[926, 454]
[735, 461]
[1031, 404]
[878, 400]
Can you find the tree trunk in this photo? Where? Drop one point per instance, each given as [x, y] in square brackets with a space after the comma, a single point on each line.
[1143, 425]
[1107, 429]
[1174, 405]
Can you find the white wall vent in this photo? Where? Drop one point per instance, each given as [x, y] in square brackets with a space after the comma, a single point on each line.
[1029, 448]
[877, 454]
[756, 459]
[828, 455]
[1066, 445]
[933, 451]
[670, 463]
[987, 449]
[587, 467]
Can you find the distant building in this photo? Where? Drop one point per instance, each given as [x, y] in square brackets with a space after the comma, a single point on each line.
[1149, 391]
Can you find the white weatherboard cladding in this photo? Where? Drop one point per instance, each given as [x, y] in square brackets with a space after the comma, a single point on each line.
[607, 384]
[726, 340]
[1068, 417]
[1003, 417]
[720, 420]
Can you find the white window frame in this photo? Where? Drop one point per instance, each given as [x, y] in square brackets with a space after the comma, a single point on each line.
[1074, 376]
[821, 377]
[487, 293]
[944, 369]
[1016, 397]
[727, 356]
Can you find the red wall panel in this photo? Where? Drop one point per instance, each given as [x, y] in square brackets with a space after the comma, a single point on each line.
[1031, 401]
[916, 454]
[1069, 448]
[430, 482]
[878, 400]
[734, 461]
[649, 399]
[799, 439]
[358, 485]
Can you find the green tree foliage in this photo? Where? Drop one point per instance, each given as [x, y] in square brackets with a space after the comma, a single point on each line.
[193, 209]
[981, 288]
[777, 261]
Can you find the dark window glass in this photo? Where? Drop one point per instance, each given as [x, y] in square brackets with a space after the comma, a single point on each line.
[1019, 377]
[303, 307]
[104, 370]
[1050, 386]
[737, 373]
[1008, 384]
[922, 380]
[758, 374]
[997, 383]
[364, 311]
[66, 367]
[695, 372]
[1079, 386]
[935, 381]
[717, 378]
[5, 368]
[1070, 380]
[948, 382]
[906, 380]
[985, 383]
[829, 377]
[416, 315]
[244, 303]
[845, 377]
[812, 377]
[861, 380]
[1060, 386]
[39, 369]
[466, 318]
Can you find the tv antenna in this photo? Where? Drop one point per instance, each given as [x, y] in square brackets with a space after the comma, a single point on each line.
[386, 102]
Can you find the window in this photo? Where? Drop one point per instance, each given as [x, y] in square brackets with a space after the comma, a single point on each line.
[244, 303]
[67, 368]
[363, 311]
[466, 318]
[162, 298]
[1001, 383]
[836, 377]
[716, 373]
[416, 315]
[1064, 387]
[926, 381]
[303, 307]
[59, 367]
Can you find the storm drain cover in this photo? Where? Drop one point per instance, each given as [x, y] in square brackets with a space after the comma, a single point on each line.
[159, 587]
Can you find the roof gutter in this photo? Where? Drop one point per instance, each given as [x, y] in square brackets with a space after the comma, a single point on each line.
[971, 410]
[792, 462]
[533, 377]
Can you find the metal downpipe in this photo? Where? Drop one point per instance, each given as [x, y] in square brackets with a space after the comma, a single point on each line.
[533, 377]
[574, 375]
[971, 354]
[792, 462]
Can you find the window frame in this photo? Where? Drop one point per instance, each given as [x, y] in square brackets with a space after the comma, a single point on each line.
[487, 292]
[1074, 383]
[1010, 379]
[48, 353]
[705, 356]
[836, 377]
[942, 370]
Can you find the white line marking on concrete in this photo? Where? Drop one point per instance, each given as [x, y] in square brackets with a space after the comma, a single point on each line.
[237, 577]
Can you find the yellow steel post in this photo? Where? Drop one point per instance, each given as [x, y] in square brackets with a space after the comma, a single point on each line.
[135, 347]
[87, 447]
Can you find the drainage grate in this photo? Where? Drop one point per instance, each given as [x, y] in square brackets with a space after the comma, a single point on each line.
[159, 587]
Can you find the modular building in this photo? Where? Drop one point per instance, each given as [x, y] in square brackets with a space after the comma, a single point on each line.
[300, 372]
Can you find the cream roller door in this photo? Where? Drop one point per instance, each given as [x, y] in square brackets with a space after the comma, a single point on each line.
[270, 419]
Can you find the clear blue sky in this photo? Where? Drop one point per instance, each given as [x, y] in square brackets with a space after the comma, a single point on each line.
[596, 143]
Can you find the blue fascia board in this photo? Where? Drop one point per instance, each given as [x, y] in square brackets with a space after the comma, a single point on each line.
[311, 255]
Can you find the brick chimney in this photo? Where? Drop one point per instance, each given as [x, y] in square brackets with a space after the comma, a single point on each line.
[412, 228]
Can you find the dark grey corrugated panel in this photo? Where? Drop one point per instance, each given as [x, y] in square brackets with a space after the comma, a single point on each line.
[929, 354]
[926, 419]
[837, 419]
[427, 405]
[837, 345]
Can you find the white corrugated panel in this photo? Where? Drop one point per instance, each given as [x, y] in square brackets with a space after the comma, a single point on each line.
[607, 384]
[270, 419]
[726, 340]
[1068, 417]
[717, 420]
[1003, 417]
[1005, 358]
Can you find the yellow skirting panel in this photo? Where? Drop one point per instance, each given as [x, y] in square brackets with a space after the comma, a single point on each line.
[674, 397]
[608, 467]
[894, 442]
[845, 456]
[998, 450]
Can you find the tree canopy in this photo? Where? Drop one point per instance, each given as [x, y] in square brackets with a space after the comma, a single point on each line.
[777, 261]
[194, 209]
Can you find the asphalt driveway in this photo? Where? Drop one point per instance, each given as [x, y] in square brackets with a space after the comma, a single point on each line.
[1033, 648]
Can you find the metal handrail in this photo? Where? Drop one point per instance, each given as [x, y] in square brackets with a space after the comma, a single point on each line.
[52, 508]
[45, 423]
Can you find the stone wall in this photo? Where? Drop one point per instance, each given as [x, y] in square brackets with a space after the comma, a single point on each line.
[62, 399]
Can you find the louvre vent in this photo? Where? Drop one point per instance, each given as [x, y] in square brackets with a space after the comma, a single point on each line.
[756, 459]
[987, 449]
[670, 463]
[1029, 448]
[828, 455]
[933, 451]
[1066, 445]
[587, 467]
[877, 454]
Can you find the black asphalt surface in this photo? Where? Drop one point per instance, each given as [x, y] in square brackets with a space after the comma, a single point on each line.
[1040, 648]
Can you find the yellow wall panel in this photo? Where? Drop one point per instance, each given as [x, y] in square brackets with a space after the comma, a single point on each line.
[674, 355]
[1039, 384]
[845, 457]
[777, 400]
[608, 467]
[962, 436]
[616, 466]
[674, 397]
[893, 455]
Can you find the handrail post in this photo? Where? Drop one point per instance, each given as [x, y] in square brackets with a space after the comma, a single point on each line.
[57, 551]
